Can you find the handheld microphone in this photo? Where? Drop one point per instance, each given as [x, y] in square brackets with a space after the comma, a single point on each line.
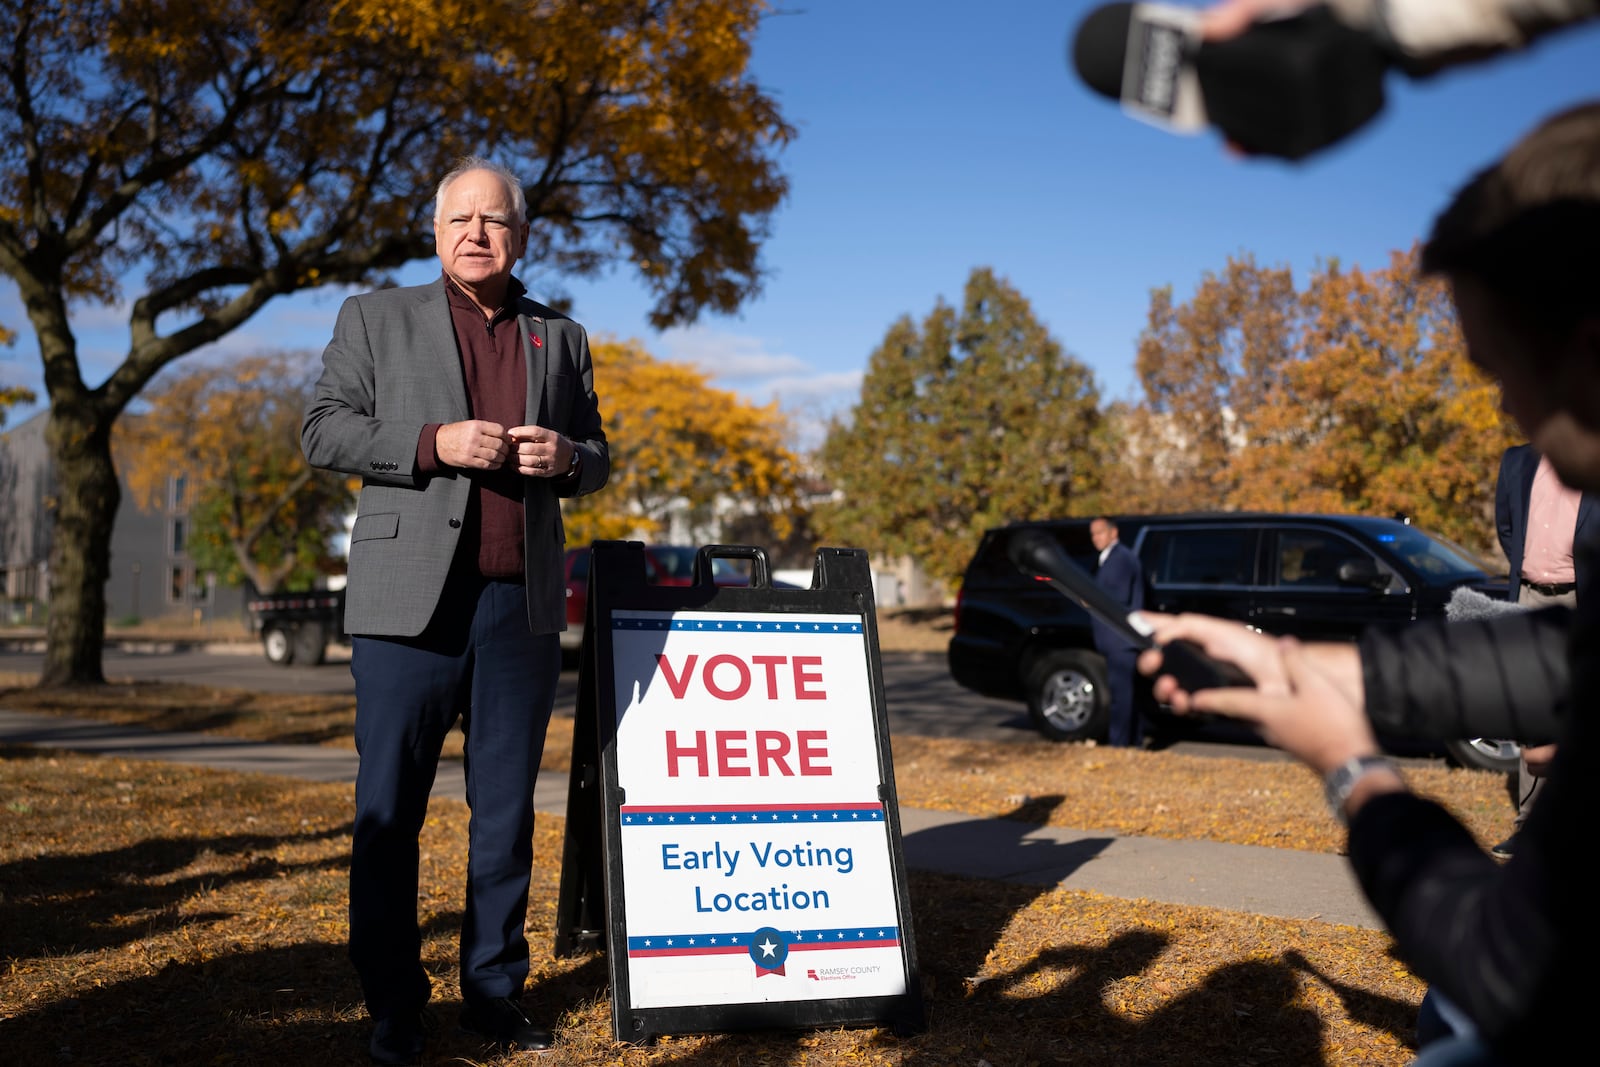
[1285, 87]
[1036, 552]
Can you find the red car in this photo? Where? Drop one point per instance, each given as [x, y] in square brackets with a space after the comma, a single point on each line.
[663, 565]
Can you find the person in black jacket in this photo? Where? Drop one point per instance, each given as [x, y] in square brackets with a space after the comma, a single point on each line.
[1513, 946]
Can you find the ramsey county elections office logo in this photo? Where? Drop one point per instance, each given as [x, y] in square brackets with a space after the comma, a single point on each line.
[768, 951]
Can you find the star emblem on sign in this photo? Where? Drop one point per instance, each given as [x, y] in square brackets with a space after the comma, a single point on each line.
[768, 951]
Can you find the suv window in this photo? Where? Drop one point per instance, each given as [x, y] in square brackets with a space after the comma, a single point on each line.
[1199, 556]
[1310, 559]
[1438, 561]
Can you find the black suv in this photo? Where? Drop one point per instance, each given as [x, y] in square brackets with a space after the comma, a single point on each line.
[1321, 577]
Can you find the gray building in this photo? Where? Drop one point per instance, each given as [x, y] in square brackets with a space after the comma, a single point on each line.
[152, 576]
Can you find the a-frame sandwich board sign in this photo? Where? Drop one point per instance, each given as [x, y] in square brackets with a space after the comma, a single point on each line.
[732, 830]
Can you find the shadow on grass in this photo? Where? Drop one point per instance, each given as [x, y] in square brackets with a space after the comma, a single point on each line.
[300, 1005]
[278, 718]
[1065, 998]
[1058, 1005]
[54, 904]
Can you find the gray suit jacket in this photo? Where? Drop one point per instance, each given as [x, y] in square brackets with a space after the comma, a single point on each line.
[393, 367]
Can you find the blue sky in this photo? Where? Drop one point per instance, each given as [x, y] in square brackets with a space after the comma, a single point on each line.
[935, 137]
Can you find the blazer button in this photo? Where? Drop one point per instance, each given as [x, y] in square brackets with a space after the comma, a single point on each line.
[455, 524]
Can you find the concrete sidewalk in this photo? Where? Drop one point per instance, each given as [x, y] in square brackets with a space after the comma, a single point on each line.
[1266, 881]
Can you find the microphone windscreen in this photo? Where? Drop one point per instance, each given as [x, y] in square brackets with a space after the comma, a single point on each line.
[1470, 604]
[1101, 46]
[1030, 551]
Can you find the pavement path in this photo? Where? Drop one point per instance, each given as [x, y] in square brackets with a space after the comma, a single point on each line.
[1266, 881]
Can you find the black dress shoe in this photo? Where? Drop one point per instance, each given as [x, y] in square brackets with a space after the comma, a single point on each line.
[503, 1023]
[1502, 851]
[397, 1040]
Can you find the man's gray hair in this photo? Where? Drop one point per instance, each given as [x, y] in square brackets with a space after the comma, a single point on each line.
[471, 163]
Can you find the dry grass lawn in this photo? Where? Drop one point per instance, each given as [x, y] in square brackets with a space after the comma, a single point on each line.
[154, 914]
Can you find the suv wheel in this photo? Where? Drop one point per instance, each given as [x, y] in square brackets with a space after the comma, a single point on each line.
[1485, 754]
[1067, 696]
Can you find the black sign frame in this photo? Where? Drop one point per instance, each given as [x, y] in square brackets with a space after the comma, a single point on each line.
[590, 912]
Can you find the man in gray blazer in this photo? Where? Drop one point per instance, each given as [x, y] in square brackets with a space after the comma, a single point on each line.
[467, 410]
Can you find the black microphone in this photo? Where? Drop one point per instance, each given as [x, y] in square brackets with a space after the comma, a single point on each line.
[1036, 552]
[1284, 87]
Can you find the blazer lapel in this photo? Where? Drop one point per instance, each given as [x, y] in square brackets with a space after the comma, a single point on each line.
[535, 345]
[437, 346]
[1587, 503]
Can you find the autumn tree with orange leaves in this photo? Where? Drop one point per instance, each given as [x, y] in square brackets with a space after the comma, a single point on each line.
[678, 443]
[260, 513]
[182, 164]
[10, 395]
[1352, 395]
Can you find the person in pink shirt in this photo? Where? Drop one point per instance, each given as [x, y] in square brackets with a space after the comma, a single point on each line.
[1537, 518]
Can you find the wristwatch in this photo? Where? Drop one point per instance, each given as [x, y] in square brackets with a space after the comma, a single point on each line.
[572, 468]
[1341, 781]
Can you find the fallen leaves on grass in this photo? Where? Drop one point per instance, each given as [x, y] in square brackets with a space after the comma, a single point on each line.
[153, 913]
[1274, 803]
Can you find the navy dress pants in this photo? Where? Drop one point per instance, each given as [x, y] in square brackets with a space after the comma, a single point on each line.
[476, 663]
[1127, 726]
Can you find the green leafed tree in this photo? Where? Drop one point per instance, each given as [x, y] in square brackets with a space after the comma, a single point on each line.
[259, 513]
[974, 418]
[181, 164]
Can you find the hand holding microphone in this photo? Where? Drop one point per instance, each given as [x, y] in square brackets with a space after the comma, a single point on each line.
[1035, 552]
[1286, 86]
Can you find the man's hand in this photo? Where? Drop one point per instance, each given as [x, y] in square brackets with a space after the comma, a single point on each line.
[1309, 716]
[473, 444]
[541, 452]
[1307, 699]
[1255, 654]
[1229, 18]
[1538, 759]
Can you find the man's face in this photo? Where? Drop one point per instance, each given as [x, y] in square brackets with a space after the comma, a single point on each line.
[477, 233]
[1551, 389]
[1102, 534]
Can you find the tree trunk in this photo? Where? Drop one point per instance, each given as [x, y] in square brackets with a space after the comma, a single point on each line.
[87, 495]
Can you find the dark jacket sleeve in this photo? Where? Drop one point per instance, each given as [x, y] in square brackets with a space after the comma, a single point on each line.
[1486, 936]
[1506, 676]
[1512, 945]
[1504, 505]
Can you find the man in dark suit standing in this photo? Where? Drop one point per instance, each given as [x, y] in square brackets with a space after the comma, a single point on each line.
[1538, 519]
[1121, 576]
[466, 409]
